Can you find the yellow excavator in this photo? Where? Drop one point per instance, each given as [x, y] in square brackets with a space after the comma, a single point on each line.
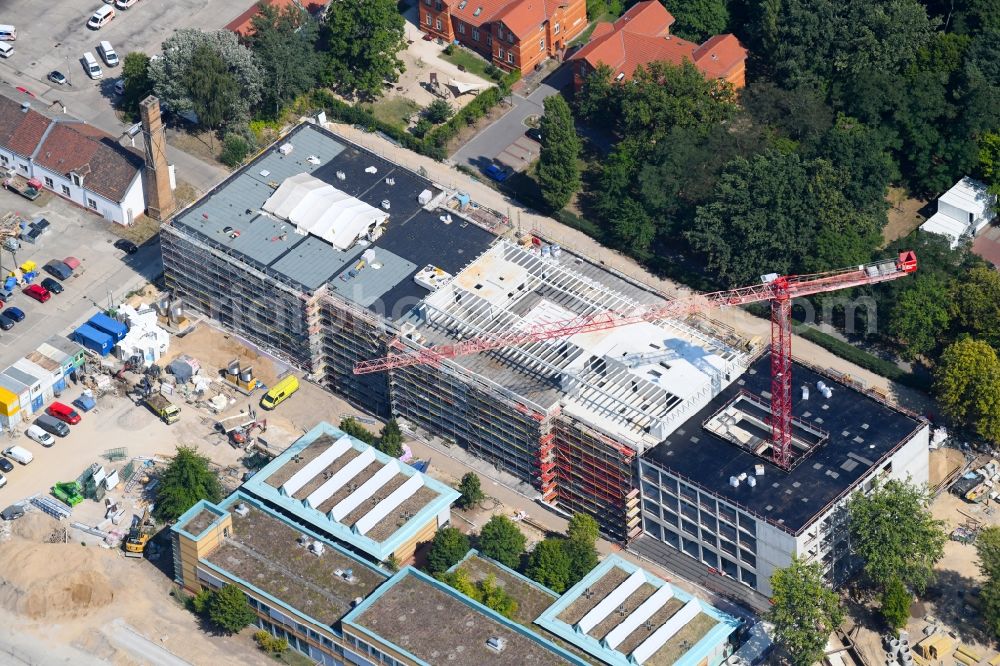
[138, 536]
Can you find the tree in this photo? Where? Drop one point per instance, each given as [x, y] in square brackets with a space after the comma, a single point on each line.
[803, 610]
[285, 43]
[438, 111]
[357, 431]
[460, 580]
[862, 155]
[598, 98]
[362, 39]
[235, 149]
[896, 604]
[967, 383]
[582, 558]
[988, 549]
[172, 74]
[502, 540]
[229, 610]
[583, 528]
[391, 439]
[187, 480]
[921, 315]
[211, 87]
[549, 565]
[472, 491]
[975, 304]
[449, 546]
[558, 169]
[893, 531]
[697, 20]
[989, 160]
[496, 598]
[135, 77]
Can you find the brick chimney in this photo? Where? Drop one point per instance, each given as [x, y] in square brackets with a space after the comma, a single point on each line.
[159, 197]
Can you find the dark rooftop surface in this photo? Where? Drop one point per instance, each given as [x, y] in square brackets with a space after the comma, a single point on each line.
[413, 237]
[862, 433]
[438, 628]
[264, 552]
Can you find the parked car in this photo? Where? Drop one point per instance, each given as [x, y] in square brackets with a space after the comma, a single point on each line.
[52, 425]
[63, 412]
[496, 172]
[19, 454]
[57, 77]
[6, 465]
[119, 87]
[58, 269]
[39, 435]
[17, 314]
[6, 323]
[52, 285]
[3, 480]
[101, 18]
[534, 134]
[126, 246]
[37, 292]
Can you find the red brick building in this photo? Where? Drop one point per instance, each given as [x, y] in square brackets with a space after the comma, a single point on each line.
[512, 34]
[642, 36]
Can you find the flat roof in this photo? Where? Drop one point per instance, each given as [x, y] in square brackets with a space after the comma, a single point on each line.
[624, 615]
[349, 490]
[634, 383]
[862, 432]
[264, 551]
[434, 624]
[230, 218]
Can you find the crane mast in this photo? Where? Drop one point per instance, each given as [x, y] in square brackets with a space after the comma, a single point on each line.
[779, 290]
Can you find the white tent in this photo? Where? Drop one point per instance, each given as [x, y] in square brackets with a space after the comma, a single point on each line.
[463, 87]
[320, 209]
[942, 224]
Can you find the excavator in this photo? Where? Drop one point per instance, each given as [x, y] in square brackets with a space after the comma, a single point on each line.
[138, 535]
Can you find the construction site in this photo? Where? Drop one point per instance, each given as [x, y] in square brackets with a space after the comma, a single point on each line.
[409, 299]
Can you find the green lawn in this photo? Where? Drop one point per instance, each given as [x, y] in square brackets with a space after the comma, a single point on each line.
[584, 36]
[394, 110]
[468, 60]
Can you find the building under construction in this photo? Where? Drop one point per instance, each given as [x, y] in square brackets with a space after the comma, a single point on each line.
[326, 255]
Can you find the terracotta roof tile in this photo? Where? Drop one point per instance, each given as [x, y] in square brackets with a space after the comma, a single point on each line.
[20, 131]
[241, 25]
[523, 17]
[108, 168]
[477, 12]
[719, 55]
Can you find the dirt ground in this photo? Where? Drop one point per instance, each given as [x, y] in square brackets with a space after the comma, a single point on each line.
[943, 463]
[904, 214]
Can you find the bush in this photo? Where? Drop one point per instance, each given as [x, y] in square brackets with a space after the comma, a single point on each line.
[270, 644]
[448, 50]
[494, 72]
[438, 111]
[235, 149]
[229, 610]
[421, 128]
[198, 604]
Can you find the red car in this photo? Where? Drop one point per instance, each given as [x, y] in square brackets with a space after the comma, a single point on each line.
[63, 413]
[38, 292]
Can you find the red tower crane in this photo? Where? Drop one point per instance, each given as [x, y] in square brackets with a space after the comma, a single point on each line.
[779, 290]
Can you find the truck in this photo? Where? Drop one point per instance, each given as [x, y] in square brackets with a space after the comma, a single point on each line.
[29, 188]
[138, 535]
[166, 410]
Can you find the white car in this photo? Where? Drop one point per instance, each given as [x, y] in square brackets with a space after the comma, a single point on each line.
[37, 434]
[125, 4]
[3, 480]
[19, 454]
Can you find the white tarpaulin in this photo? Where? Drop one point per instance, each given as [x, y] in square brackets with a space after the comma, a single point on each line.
[463, 87]
[320, 209]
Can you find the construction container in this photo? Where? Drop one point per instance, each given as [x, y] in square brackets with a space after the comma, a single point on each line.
[34, 384]
[10, 403]
[112, 327]
[22, 391]
[70, 348]
[47, 377]
[93, 339]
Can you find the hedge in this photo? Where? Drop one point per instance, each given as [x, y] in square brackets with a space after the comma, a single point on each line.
[434, 143]
[865, 360]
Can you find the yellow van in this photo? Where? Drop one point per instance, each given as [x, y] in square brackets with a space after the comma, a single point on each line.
[279, 392]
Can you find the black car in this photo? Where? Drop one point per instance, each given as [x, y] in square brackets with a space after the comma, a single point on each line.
[535, 134]
[5, 465]
[13, 512]
[126, 246]
[52, 285]
[6, 323]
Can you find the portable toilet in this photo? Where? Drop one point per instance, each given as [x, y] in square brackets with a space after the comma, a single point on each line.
[112, 327]
[70, 348]
[93, 339]
[22, 391]
[54, 369]
[33, 383]
[45, 377]
[10, 409]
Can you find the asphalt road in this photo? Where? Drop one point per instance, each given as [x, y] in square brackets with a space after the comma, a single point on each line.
[483, 148]
[54, 36]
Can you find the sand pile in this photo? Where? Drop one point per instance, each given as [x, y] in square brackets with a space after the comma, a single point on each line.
[51, 580]
[215, 349]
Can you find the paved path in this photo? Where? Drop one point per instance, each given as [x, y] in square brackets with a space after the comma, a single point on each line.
[485, 146]
[142, 648]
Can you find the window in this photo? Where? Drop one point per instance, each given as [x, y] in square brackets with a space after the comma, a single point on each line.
[687, 492]
[651, 508]
[475, 34]
[437, 24]
[500, 32]
[3, 158]
[461, 28]
[438, 6]
[689, 511]
[541, 44]
[24, 168]
[76, 179]
[510, 57]
[555, 30]
[427, 2]
[91, 204]
[653, 529]
[429, 19]
[489, 39]
[48, 182]
[65, 190]
[500, 54]
[689, 527]
[690, 547]
[670, 537]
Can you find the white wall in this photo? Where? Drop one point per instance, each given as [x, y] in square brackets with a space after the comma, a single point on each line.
[954, 212]
[110, 210]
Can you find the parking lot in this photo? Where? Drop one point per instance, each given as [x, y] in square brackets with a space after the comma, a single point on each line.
[104, 270]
